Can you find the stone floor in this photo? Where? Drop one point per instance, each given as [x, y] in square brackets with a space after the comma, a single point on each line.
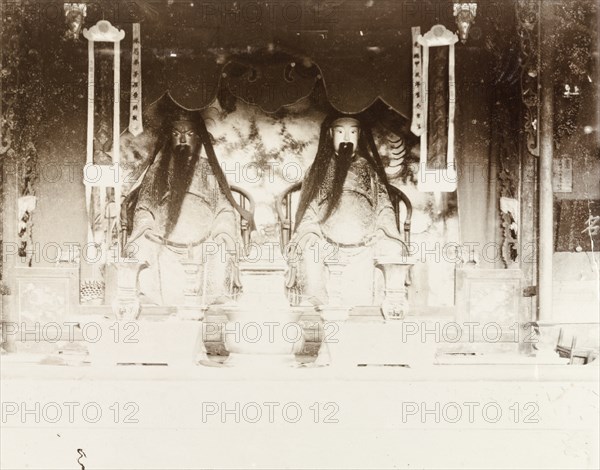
[410, 397]
[463, 413]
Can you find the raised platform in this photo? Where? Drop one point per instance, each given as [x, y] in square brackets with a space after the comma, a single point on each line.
[524, 416]
[442, 333]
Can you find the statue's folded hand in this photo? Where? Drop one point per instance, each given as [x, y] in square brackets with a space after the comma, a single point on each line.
[294, 251]
[305, 240]
[298, 247]
[132, 247]
[291, 276]
[224, 239]
[382, 241]
[375, 238]
[142, 222]
[386, 245]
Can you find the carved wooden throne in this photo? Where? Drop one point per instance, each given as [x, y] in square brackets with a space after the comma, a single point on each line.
[286, 204]
[116, 289]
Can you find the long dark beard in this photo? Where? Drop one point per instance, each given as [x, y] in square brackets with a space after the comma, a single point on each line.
[319, 176]
[180, 173]
[342, 162]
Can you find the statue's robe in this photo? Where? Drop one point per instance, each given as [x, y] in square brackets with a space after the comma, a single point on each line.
[361, 228]
[206, 231]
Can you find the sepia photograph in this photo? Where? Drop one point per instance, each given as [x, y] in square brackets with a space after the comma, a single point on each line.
[299, 234]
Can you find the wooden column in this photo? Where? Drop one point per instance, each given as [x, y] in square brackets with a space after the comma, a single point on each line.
[528, 239]
[528, 31]
[8, 166]
[598, 81]
[546, 216]
[10, 242]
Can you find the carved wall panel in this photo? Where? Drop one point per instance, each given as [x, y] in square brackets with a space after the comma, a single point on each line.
[46, 295]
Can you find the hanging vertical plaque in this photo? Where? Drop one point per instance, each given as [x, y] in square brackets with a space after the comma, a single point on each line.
[135, 100]
[417, 67]
[437, 167]
[95, 175]
[562, 175]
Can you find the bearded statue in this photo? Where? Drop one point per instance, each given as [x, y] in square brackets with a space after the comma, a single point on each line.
[185, 211]
[344, 215]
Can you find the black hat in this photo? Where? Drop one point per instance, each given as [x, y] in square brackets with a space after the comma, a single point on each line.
[182, 114]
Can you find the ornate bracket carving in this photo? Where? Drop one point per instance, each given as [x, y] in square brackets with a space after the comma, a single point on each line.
[465, 16]
[75, 14]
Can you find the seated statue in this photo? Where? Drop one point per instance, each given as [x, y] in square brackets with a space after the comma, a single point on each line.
[185, 212]
[344, 216]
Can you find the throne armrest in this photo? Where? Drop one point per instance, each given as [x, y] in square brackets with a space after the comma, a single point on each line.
[126, 217]
[283, 204]
[246, 202]
[397, 196]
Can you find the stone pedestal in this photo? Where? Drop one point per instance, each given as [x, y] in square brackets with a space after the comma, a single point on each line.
[337, 348]
[487, 306]
[262, 330]
[262, 337]
[334, 348]
[171, 342]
